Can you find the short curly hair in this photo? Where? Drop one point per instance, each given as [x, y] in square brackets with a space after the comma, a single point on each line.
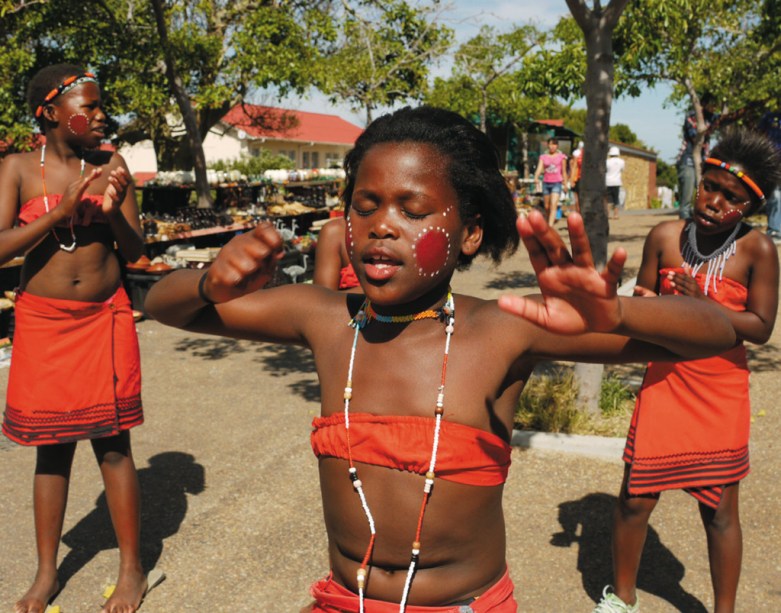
[44, 81]
[474, 170]
[755, 154]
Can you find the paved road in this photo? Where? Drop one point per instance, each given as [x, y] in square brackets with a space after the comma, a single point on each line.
[231, 500]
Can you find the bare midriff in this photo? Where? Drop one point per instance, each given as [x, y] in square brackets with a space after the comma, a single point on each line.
[463, 537]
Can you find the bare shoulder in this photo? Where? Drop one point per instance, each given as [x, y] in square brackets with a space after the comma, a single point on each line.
[486, 324]
[666, 230]
[760, 246]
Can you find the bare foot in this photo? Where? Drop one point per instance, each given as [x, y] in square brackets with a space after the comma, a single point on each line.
[40, 593]
[128, 594]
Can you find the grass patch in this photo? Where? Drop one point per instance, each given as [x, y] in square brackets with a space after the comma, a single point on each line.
[549, 404]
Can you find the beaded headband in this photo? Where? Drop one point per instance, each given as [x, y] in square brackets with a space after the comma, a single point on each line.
[64, 87]
[739, 174]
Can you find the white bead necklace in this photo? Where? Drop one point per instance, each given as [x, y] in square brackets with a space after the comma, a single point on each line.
[361, 319]
[72, 247]
[715, 260]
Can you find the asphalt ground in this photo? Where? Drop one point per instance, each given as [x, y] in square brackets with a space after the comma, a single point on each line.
[231, 503]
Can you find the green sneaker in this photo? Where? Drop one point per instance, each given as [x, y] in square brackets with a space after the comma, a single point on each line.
[611, 603]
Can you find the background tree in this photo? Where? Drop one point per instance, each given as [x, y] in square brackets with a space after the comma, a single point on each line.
[226, 52]
[725, 48]
[597, 24]
[384, 53]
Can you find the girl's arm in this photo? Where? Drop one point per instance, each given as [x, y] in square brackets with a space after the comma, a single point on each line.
[328, 257]
[224, 300]
[576, 299]
[538, 172]
[756, 323]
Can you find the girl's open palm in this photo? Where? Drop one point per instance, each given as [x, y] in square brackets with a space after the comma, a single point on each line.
[576, 297]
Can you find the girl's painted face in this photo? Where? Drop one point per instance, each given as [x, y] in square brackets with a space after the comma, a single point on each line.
[404, 228]
[80, 115]
[722, 201]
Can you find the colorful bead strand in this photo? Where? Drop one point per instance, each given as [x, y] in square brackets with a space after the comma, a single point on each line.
[739, 174]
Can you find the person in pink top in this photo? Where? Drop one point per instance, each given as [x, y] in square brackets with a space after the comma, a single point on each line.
[553, 168]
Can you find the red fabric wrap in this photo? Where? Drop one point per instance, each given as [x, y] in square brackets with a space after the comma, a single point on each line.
[465, 454]
[330, 597]
[87, 212]
[347, 277]
[75, 370]
[690, 426]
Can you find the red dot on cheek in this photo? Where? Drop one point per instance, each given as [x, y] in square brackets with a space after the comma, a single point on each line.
[431, 251]
[78, 124]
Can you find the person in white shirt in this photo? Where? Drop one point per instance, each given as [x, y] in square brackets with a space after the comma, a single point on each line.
[615, 168]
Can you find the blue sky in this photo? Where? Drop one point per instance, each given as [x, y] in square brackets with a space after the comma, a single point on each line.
[657, 126]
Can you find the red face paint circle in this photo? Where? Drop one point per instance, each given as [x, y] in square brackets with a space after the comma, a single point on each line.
[78, 124]
[731, 217]
[431, 251]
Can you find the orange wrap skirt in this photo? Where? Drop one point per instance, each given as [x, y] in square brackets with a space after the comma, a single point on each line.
[330, 597]
[75, 370]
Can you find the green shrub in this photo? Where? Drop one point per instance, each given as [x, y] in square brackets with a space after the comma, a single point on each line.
[614, 396]
[255, 166]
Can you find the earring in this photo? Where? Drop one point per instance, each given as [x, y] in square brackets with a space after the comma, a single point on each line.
[78, 124]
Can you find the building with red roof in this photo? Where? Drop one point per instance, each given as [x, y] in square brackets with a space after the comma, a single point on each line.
[311, 140]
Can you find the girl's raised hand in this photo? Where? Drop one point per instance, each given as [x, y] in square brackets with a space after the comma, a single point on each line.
[245, 264]
[576, 298]
[74, 193]
[684, 284]
[115, 193]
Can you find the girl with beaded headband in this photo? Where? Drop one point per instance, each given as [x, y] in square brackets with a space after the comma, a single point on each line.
[70, 211]
[690, 427]
[413, 440]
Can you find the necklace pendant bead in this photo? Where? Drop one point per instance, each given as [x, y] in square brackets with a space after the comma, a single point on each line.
[357, 484]
[440, 410]
[360, 577]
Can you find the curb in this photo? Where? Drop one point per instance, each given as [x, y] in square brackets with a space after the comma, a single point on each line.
[602, 447]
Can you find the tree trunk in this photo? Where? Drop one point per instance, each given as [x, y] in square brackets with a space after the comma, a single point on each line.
[186, 109]
[597, 26]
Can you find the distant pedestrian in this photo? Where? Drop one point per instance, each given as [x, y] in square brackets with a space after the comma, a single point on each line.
[553, 168]
[575, 172]
[770, 125]
[613, 181]
[690, 427]
[685, 162]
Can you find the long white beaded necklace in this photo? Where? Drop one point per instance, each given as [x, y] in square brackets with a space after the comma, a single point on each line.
[72, 247]
[716, 260]
[361, 319]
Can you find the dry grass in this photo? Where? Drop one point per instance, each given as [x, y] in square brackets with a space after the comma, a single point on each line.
[549, 404]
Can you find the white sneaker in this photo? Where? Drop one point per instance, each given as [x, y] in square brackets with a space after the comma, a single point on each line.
[611, 603]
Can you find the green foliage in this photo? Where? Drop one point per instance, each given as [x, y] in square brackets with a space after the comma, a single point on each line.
[226, 50]
[383, 53]
[622, 133]
[614, 396]
[255, 166]
[666, 174]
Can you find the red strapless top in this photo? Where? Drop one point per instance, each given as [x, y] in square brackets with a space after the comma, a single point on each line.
[730, 293]
[465, 454]
[89, 212]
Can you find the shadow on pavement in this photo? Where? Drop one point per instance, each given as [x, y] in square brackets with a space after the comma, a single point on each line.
[164, 488]
[282, 360]
[512, 280]
[211, 348]
[588, 522]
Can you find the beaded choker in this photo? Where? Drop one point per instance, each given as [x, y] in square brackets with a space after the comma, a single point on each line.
[361, 319]
[72, 247]
[748, 181]
[716, 260]
[64, 87]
